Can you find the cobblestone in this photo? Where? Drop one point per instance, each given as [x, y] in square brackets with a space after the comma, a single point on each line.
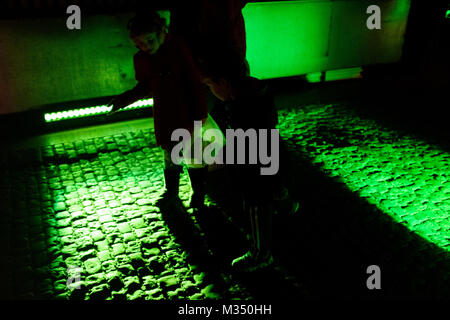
[392, 162]
[97, 211]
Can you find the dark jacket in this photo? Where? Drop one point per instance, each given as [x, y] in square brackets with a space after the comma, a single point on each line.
[253, 109]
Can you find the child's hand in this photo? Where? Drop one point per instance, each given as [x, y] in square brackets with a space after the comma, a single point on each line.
[116, 103]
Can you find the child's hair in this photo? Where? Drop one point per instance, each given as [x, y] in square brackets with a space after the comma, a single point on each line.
[219, 62]
[146, 23]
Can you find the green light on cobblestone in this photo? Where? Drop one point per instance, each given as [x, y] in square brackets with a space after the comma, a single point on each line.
[93, 111]
[405, 177]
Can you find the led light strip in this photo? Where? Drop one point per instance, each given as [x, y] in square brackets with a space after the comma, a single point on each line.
[342, 74]
[314, 77]
[333, 75]
[93, 111]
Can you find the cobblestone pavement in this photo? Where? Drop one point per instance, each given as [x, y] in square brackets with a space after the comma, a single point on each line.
[84, 215]
[87, 212]
[401, 175]
[372, 195]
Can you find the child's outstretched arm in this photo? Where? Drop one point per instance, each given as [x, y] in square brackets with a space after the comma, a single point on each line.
[140, 91]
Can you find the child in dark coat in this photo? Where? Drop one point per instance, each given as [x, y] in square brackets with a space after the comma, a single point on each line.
[165, 70]
[246, 105]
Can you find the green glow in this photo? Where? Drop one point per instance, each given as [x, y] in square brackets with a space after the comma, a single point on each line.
[92, 111]
[333, 75]
[292, 38]
[447, 14]
[399, 8]
[341, 74]
[314, 77]
[273, 31]
[404, 177]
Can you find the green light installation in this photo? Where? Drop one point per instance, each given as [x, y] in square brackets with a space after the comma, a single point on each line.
[276, 48]
[334, 75]
[341, 74]
[404, 177]
[93, 111]
[314, 77]
[291, 38]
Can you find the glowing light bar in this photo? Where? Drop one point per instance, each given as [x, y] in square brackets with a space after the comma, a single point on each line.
[333, 75]
[93, 111]
[341, 74]
[314, 77]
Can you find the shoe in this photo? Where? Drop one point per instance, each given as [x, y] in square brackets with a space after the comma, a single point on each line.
[197, 202]
[172, 181]
[294, 206]
[251, 262]
[172, 184]
[198, 184]
[260, 254]
[286, 204]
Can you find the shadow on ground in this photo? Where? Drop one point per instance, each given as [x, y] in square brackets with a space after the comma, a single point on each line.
[325, 250]
[337, 235]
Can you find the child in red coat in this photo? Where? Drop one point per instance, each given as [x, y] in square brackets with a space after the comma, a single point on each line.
[165, 70]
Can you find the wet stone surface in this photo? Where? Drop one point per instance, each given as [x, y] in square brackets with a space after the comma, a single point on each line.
[400, 174]
[96, 232]
[387, 195]
[81, 220]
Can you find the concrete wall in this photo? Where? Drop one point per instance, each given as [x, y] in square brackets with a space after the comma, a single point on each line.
[298, 37]
[42, 62]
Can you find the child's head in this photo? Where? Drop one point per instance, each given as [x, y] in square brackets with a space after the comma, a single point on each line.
[148, 31]
[223, 71]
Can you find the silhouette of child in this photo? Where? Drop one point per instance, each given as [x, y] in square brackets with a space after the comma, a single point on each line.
[246, 105]
[165, 70]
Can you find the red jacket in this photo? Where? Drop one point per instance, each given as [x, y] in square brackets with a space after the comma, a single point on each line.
[178, 94]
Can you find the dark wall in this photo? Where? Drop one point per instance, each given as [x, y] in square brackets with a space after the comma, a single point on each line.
[15, 9]
[426, 50]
